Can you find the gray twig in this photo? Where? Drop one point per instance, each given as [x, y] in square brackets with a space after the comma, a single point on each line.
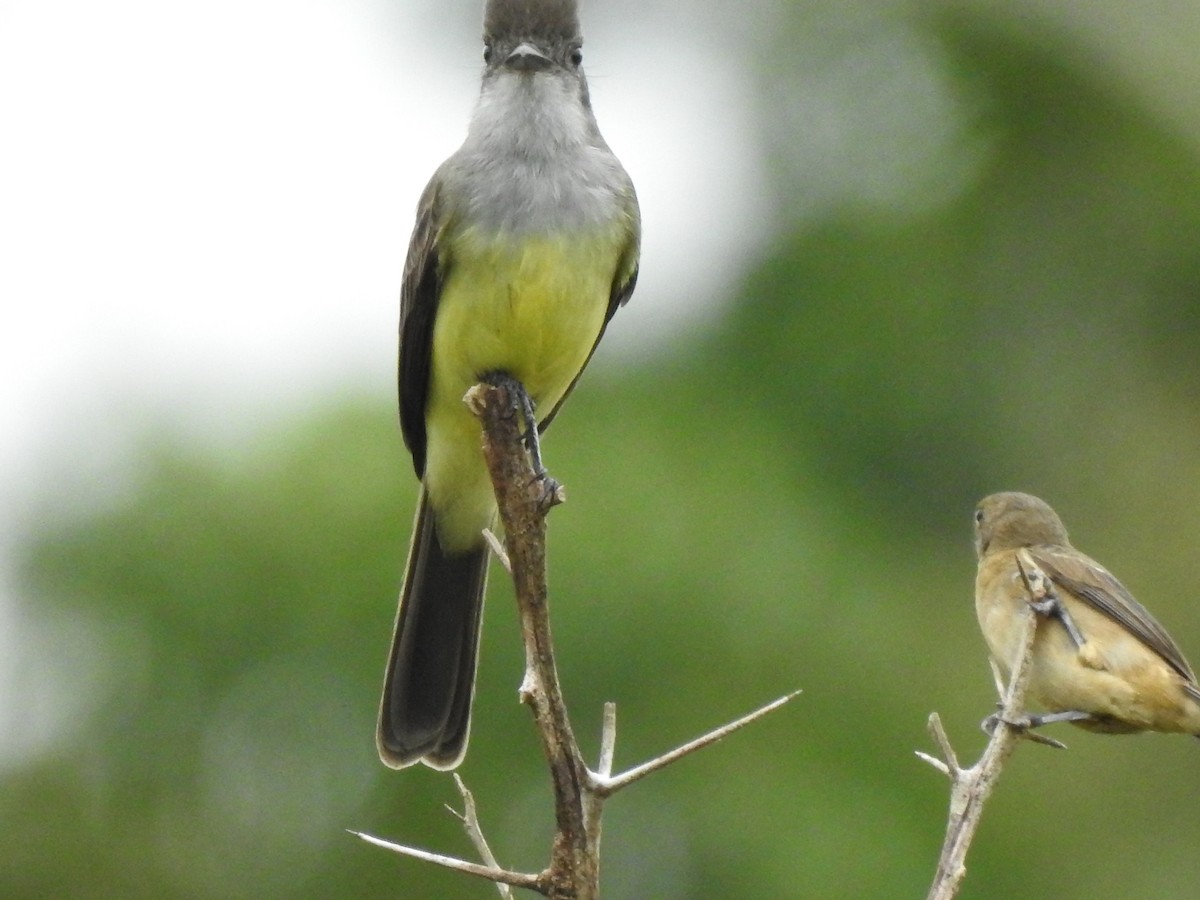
[970, 788]
[470, 821]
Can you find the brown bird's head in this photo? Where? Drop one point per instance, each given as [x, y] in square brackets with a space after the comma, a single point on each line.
[1012, 520]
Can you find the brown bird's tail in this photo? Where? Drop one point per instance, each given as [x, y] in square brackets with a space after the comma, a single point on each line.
[425, 714]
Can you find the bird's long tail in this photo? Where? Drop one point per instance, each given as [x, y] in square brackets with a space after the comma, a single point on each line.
[425, 713]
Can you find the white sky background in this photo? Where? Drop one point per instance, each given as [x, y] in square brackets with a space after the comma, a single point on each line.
[204, 209]
[213, 200]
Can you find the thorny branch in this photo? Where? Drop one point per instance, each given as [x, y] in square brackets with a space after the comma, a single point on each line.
[524, 498]
[970, 788]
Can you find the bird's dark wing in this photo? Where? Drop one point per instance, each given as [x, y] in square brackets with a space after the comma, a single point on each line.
[1097, 587]
[424, 274]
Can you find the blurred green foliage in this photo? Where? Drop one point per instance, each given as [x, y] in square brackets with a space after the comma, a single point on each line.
[783, 502]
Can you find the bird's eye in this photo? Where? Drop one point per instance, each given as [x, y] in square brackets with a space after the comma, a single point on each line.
[487, 53]
[979, 517]
[576, 56]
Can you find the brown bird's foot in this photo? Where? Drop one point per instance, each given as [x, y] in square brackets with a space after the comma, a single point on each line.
[1027, 724]
[1045, 602]
[1053, 608]
[1069, 715]
[524, 405]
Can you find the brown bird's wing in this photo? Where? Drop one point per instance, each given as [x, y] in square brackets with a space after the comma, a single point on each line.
[424, 274]
[1096, 586]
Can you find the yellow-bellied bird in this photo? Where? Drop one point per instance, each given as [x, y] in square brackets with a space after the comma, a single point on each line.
[526, 242]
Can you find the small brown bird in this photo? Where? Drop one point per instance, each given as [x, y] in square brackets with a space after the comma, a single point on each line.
[1105, 665]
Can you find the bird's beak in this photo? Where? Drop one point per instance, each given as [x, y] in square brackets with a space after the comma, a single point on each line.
[527, 58]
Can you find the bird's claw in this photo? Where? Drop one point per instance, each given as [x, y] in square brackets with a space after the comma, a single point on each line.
[524, 406]
[1025, 726]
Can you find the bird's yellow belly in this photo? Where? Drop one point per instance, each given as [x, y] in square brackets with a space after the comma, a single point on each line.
[531, 307]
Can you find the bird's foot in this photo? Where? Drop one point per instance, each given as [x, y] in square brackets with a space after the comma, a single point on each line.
[1026, 725]
[1045, 602]
[1053, 608]
[524, 406]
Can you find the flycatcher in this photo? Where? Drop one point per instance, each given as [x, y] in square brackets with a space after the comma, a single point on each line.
[525, 244]
[1120, 672]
